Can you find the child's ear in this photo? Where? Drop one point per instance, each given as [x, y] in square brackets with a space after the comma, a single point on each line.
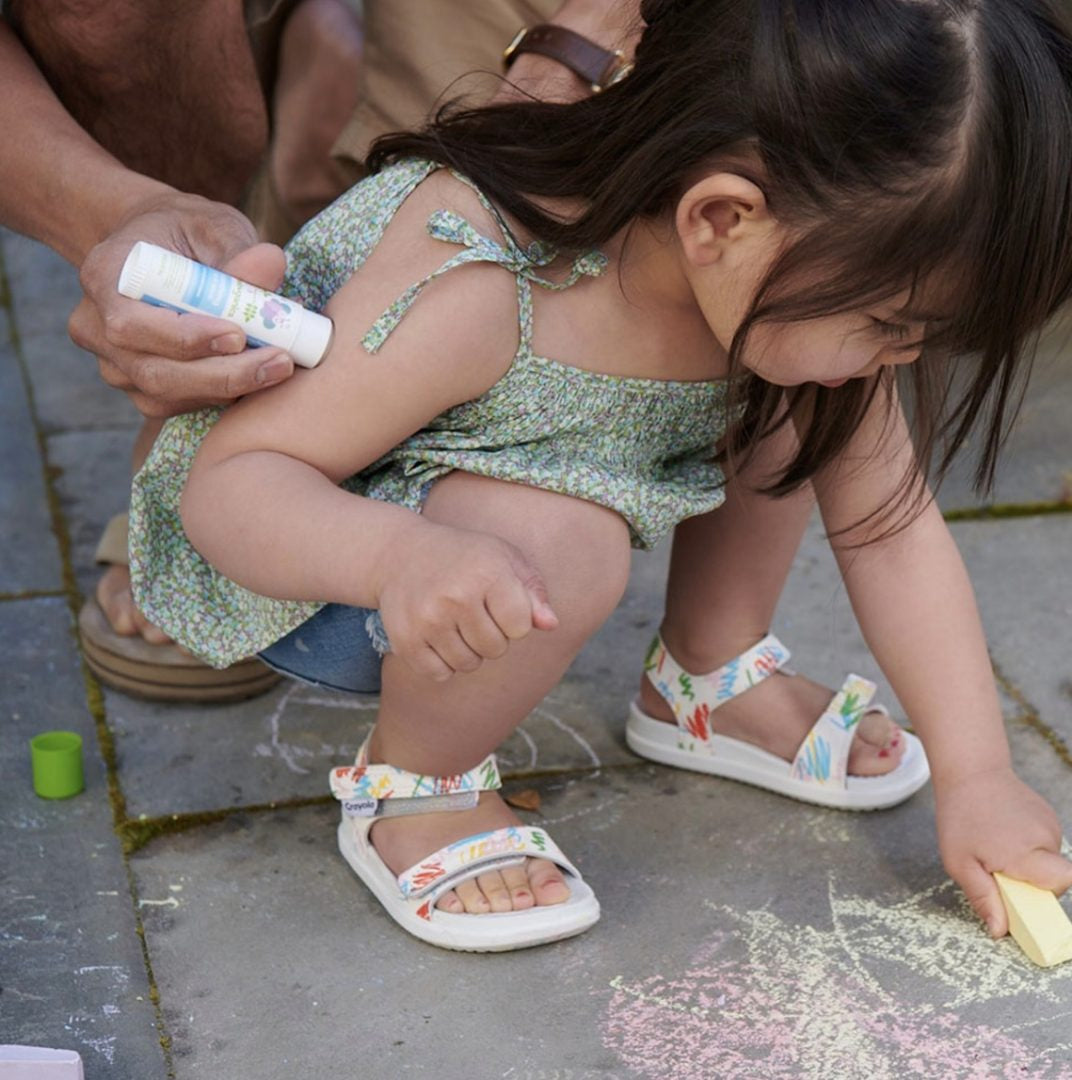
[717, 213]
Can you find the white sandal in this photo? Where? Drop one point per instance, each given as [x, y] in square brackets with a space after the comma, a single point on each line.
[818, 773]
[369, 792]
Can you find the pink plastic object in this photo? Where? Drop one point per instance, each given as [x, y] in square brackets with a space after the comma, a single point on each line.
[39, 1063]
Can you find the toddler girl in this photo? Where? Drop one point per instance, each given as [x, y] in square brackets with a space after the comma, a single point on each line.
[555, 325]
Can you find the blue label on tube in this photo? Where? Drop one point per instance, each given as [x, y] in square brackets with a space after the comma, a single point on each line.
[208, 289]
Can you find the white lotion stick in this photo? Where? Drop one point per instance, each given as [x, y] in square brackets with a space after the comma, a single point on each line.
[170, 280]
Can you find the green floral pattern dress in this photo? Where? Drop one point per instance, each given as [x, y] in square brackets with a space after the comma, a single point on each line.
[642, 447]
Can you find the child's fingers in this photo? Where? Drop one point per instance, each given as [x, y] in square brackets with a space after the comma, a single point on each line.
[482, 634]
[426, 662]
[451, 648]
[981, 891]
[543, 616]
[1043, 868]
[509, 605]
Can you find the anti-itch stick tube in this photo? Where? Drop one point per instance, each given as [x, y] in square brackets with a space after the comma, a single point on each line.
[170, 280]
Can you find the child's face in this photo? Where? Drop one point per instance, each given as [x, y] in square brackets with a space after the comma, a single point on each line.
[730, 241]
[833, 349]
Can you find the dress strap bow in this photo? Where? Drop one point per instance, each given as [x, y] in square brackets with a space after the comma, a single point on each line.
[521, 261]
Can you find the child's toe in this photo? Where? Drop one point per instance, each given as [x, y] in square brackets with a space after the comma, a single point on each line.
[495, 891]
[878, 747]
[548, 884]
[450, 902]
[517, 881]
[472, 897]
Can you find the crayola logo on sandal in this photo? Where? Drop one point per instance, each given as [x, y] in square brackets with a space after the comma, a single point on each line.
[360, 807]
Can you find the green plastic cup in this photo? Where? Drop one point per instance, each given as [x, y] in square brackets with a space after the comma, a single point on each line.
[57, 764]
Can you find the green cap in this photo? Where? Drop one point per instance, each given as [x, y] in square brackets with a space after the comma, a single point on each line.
[57, 764]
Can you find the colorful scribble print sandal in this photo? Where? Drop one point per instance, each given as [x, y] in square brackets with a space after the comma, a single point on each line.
[369, 792]
[818, 774]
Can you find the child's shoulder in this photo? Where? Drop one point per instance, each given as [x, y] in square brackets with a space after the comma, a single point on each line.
[403, 297]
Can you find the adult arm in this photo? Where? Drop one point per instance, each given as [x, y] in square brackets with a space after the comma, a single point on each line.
[612, 24]
[59, 185]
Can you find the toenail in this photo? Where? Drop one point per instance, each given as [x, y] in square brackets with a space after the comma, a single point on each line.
[884, 753]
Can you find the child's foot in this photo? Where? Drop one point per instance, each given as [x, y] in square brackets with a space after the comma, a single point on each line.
[403, 841]
[778, 713]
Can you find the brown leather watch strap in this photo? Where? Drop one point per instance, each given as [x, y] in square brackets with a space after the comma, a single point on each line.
[598, 67]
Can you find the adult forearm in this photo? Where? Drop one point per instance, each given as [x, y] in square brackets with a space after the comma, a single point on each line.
[56, 183]
[917, 610]
[613, 24]
[281, 528]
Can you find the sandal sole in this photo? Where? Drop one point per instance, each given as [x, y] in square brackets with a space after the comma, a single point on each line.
[496, 932]
[163, 672]
[736, 760]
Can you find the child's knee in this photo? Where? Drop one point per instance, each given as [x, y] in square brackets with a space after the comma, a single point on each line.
[581, 549]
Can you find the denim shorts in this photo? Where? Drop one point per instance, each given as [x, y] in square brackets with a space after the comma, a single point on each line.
[339, 648]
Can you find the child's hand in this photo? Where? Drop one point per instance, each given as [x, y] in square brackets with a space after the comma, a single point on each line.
[452, 599]
[993, 821]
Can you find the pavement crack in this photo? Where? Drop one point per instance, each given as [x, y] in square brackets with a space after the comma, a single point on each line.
[1029, 716]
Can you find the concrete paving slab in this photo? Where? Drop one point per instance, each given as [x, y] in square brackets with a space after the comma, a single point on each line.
[1022, 572]
[72, 972]
[182, 759]
[93, 482]
[179, 759]
[1036, 465]
[29, 554]
[67, 385]
[743, 936]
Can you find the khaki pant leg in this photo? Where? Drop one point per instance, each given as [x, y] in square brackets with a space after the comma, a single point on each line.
[420, 53]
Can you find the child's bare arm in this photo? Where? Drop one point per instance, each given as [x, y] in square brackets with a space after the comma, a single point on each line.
[262, 504]
[917, 610]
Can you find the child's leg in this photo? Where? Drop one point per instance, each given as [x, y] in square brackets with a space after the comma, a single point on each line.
[582, 552]
[727, 572]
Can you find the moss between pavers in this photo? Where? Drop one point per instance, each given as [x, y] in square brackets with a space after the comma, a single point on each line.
[1029, 716]
[1008, 510]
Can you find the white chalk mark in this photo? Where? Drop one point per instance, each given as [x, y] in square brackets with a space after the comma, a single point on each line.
[170, 902]
[354, 703]
[285, 750]
[577, 738]
[107, 892]
[530, 742]
[105, 1047]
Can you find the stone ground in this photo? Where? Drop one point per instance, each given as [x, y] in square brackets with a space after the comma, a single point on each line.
[187, 915]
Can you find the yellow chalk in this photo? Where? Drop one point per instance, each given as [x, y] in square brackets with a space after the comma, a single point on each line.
[1037, 921]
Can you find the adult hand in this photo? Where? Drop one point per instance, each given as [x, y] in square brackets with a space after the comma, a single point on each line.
[166, 362]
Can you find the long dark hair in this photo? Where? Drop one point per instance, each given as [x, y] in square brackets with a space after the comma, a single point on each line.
[907, 142]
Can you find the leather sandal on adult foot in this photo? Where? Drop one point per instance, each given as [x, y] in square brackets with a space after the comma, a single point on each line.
[370, 792]
[157, 672]
[819, 772]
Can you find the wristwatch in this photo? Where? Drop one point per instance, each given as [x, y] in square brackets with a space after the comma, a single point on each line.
[597, 66]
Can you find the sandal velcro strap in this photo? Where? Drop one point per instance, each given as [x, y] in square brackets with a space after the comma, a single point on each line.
[475, 855]
[693, 697]
[384, 791]
[823, 756]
